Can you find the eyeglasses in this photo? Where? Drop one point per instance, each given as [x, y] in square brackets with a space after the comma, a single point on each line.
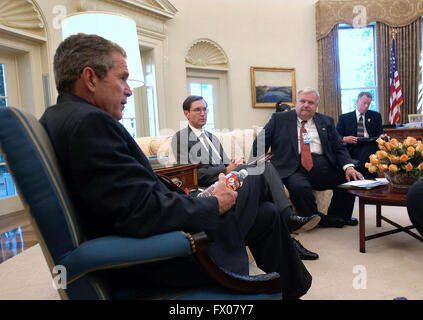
[199, 110]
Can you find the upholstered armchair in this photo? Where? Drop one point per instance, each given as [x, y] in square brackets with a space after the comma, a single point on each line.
[31, 160]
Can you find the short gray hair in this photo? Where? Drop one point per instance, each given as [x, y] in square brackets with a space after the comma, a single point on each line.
[79, 51]
[364, 93]
[307, 90]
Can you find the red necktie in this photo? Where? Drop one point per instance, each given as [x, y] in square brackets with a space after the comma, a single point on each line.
[306, 159]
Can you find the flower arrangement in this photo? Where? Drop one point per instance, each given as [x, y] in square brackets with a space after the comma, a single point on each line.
[394, 157]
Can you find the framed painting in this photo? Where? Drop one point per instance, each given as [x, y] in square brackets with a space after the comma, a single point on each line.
[272, 85]
[415, 118]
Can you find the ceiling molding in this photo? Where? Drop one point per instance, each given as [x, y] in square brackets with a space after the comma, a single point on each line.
[161, 9]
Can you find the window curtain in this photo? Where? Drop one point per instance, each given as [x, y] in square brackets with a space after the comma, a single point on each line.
[405, 17]
[408, 46]
[328, 75]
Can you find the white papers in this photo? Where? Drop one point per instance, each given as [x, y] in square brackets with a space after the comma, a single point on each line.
[364, 184]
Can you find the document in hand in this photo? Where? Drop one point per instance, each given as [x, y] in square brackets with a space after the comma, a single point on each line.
[364, 184]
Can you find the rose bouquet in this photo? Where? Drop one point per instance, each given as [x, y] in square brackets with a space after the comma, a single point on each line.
[398, 158]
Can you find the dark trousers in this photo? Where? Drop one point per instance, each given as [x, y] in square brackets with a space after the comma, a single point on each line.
[322, 176]
[414, 205]
[254, 221]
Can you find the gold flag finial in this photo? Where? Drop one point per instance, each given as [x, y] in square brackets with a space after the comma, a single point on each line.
[394, 32]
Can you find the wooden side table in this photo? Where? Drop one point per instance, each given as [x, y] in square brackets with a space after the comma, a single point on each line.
[380, 196]
[183, 175]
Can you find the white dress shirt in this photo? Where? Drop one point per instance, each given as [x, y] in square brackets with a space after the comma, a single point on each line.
[310, 126]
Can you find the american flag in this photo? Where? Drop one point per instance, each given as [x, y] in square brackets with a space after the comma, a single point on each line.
[395, 96]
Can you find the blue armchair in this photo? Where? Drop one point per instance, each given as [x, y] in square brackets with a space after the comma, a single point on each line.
[31, 160]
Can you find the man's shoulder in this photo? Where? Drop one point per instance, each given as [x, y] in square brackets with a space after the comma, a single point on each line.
[282, 116]
[374, 114]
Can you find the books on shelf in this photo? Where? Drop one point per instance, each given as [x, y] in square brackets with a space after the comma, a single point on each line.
[364, 184]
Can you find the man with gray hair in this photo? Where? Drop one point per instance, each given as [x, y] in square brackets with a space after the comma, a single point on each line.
[116, 191]
[309, 155]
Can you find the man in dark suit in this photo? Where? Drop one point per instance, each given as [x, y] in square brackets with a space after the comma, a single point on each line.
[359, 130]
[193, 144]
[414, 205]
[309, 154]
[117, 192]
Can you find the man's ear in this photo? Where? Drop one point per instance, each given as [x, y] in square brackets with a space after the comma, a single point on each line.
[89, 78]
[186, 113]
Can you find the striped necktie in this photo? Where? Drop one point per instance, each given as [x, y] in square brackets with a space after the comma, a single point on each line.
[360, 127]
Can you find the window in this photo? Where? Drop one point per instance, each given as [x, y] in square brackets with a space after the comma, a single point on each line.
[150, 86]
[207, 89]
[7, 187]
[129, 120]
[357, 61]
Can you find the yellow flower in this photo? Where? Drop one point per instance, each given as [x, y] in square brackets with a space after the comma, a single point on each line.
[381, 154]
[383, 167]
[420, 166]
[419, 147]
[374, 159]
[372, 169]
[410, 141]
[410, 151]
[403, 158]
[393, 168]
[394, 159]
[408, 167]
[393, 143]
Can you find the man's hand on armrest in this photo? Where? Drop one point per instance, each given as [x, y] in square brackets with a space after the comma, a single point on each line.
[225, 196]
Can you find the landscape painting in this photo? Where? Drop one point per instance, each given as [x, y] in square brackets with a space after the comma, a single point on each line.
[271, 85]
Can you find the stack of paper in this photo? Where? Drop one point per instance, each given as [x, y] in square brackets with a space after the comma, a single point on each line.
[364, 184]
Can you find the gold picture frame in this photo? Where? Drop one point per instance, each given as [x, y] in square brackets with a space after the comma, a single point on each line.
[271, 85]
[415, 118]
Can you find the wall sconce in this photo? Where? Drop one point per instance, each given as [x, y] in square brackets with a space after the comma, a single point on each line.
[117, 28]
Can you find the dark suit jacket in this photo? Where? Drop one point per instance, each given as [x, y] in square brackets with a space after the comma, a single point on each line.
[113, 185]
[187, 148]
[347, 126]
[280, 133]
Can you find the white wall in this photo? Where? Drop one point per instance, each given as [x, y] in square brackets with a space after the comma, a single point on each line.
[264, 33]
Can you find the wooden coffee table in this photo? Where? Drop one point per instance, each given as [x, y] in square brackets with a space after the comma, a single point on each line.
[380, 196]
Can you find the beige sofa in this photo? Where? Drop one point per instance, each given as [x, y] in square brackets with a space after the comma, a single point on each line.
[235, 143]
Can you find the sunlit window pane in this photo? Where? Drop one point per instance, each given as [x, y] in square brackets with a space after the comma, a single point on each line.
[357, 65]
[206, 90]
[195, 89]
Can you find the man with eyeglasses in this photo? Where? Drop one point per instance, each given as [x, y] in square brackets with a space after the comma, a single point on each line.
[193, 144]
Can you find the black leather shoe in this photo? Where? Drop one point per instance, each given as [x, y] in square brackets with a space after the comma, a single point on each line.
[351, 222]
[329, 221]
[297, 224]
[303, 252]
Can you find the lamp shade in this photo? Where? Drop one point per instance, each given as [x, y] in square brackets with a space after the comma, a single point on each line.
[117, 28]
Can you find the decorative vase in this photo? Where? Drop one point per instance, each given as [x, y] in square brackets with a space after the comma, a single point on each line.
[400, 181]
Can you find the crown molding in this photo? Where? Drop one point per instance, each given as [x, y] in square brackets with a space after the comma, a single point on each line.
[161, 9]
